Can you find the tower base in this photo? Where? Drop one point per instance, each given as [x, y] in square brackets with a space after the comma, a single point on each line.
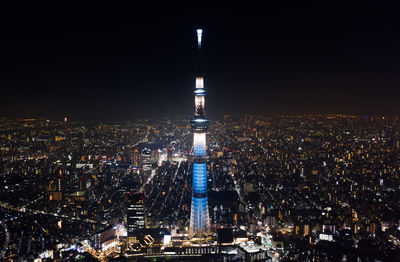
[199, 218]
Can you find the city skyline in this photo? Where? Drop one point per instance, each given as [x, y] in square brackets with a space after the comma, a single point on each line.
[100, 160]
[286, 188]
[95, 62]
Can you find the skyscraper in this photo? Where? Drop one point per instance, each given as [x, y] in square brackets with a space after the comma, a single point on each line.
[135, 215]
[136, 157]
[199, 218]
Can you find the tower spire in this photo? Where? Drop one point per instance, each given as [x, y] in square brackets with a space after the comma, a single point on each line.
[199, 51]
[199, 36]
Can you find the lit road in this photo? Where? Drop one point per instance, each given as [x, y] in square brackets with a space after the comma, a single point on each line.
[213, 174]
[158, 194]
[182, 192]
[169, 191]
[237, 188]
[32, 211]
[153, 173]
[7, 240]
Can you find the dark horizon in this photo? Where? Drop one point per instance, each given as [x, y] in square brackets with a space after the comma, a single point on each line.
[102, 62]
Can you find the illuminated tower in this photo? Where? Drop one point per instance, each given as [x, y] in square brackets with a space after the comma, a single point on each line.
[199, 218]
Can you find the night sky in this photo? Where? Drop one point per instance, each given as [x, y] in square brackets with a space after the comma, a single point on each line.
[104, 61]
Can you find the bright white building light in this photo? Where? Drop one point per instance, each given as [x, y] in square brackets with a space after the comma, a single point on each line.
[199, 144]
[199, 33]
[199, 82]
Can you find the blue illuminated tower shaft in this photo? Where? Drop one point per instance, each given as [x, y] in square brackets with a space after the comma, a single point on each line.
[199, 218]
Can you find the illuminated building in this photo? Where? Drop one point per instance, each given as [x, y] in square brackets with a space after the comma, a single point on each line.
[199, 218]
[145, 158]
[135, 215]
[104, 237]
[56, 188]
[136, 157]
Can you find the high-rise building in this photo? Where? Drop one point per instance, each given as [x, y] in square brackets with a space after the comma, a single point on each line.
[136, 157]
[135, 215]
[199, 218]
